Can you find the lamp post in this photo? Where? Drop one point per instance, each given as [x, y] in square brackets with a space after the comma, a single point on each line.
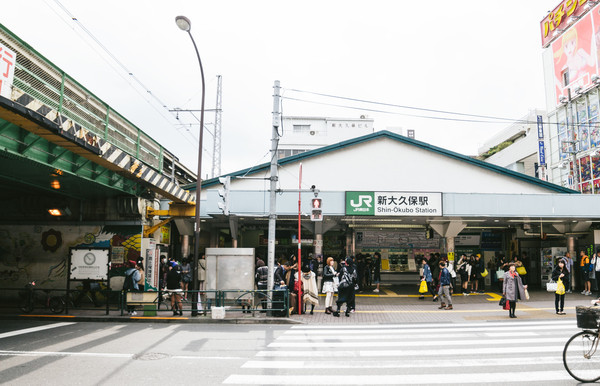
[185, 25]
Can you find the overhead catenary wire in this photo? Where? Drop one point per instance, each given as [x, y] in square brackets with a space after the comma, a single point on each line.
[119, 63]
[483, 118]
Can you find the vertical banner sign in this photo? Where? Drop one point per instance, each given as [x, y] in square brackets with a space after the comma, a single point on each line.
[541, 148]
[8, 58]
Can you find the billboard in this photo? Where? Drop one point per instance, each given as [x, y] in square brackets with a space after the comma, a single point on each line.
[575, 55]
[561, 17]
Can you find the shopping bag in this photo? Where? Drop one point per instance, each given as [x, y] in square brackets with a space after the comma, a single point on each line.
[560, 287]
[526, 294]
[500, 274]
[521, 271]
[551, 286]
[484, 273]
[336, 283]
[506, 305]
[502, 302]
[423, 287]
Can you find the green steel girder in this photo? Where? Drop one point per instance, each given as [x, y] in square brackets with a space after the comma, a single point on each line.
[37, 158]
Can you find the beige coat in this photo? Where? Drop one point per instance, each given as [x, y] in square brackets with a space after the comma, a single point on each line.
[311, 293]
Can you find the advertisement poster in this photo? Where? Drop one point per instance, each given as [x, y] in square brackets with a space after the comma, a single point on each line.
[586, 168]
[575, 58]
[118, 255]
[89, 263]
[165, 234]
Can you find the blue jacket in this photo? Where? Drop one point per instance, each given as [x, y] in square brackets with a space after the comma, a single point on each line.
[445, 278]
[427, 273]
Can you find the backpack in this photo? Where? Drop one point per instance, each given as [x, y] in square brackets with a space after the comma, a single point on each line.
[347, 280]
[128, 284]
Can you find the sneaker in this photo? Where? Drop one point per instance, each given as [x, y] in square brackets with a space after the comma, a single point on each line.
[465, 294]
[569, 292]
[449, 307]
[583, 292]
[589, 293]
[376, 290]
[133, 313]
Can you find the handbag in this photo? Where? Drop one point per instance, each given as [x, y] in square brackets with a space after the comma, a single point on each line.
[521, 271]
[560, 287]
[500, 274]
[551, 286]
[423, 287]
[526, 294]
[502, 302]
[484, 273]
[506, 305]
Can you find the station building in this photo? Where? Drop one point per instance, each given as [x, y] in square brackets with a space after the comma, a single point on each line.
[405, 198]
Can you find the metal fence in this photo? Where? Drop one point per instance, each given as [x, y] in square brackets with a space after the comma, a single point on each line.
[61, 95]
[149, 303]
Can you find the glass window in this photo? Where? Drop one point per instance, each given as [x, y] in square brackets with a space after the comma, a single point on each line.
[301, 128]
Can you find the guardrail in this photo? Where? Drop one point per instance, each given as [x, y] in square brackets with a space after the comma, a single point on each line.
[40, 79]
[151, 303]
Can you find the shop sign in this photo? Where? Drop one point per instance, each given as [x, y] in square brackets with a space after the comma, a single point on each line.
[393, 204]
[563, 15]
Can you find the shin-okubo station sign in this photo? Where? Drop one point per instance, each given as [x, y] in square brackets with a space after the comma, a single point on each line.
[393, 204]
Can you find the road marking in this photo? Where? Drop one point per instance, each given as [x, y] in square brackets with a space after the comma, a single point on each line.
[421, 343]
[445, 325]
[404, 353]
[384, 332]
[34, 329]
[99, 355]
[48, 316]
[404, 379]
[62, 354]
[407, 364]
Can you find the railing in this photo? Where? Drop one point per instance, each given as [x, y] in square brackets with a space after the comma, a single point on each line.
[150, 303]
[39, 78]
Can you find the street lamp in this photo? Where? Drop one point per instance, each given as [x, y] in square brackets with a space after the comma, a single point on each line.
[185, 25]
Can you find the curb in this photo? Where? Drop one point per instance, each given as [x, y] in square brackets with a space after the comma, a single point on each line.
[151, 319]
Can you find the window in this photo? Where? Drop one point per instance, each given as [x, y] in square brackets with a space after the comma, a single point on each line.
[565, 77]
[299, 129]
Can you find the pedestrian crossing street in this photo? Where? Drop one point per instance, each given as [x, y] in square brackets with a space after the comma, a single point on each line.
[510, 352]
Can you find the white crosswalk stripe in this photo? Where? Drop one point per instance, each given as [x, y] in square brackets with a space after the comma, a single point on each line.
[459, 353]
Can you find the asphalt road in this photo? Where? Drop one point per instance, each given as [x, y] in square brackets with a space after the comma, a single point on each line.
[483, 352]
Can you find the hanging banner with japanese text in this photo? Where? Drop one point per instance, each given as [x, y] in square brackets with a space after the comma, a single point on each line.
[393, 204]
[8, 58]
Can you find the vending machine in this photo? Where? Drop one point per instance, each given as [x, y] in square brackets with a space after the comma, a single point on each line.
[548, 261]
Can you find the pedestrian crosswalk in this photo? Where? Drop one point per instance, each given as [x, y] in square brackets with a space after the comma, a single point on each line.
[458, 353]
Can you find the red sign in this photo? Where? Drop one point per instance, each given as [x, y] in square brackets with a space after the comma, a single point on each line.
[566, 13]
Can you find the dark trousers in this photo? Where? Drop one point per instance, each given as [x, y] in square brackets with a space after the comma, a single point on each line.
[513, 306]
[559, 298]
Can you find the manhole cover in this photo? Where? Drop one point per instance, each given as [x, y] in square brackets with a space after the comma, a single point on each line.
[151, 356]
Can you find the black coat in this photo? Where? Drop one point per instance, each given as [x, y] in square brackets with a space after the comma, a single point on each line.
[556, 273]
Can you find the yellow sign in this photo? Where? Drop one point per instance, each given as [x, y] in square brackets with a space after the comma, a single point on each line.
[165, 234]
[450, 256]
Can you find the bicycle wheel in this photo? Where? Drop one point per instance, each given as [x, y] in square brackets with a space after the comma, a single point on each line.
[56, 304]
[581, 358]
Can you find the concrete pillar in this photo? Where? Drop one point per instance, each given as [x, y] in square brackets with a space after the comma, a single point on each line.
[450, 248]
[576, 281]
[350, 242]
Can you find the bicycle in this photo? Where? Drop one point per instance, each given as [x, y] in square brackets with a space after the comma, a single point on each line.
[29, 296]
[580, 356]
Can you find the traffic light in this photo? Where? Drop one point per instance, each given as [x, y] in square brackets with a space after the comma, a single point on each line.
[224, 193]
[316, 213]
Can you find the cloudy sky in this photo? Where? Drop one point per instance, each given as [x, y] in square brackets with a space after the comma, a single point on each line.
[463, 56]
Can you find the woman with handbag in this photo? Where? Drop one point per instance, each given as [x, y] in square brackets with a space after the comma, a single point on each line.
[560, 273]
[330, 276]
[513, 289]
[428, 278]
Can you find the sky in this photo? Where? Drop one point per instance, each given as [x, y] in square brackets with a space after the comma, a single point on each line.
[464, 56]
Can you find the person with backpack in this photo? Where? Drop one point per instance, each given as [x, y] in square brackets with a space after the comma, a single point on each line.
[586, 267]
[130, 284]
[346, 287]
[174, 288]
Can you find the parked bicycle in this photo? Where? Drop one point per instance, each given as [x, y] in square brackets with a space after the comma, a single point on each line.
[30, 296]
[580, 356]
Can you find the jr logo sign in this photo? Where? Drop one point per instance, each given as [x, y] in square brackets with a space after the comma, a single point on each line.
[360, 203]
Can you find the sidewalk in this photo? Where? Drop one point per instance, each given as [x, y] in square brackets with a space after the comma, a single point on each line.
[393, 305]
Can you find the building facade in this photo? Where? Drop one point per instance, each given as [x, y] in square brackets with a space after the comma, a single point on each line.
[571, 60]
